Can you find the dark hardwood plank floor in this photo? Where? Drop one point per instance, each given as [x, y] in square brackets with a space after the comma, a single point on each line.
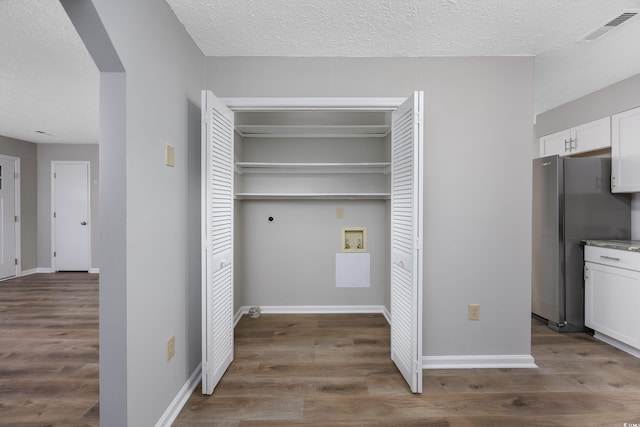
[49, 350]
[334, 370]
[303, 370]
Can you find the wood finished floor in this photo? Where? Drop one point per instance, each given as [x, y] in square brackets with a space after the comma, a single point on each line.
[303, 370]
[334, 370]
[49, 350]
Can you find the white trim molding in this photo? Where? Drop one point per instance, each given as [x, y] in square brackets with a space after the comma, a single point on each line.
[312, 103]
[94, 270]
[178, 402]
[314, 309]
[482, 361]
[617, 344]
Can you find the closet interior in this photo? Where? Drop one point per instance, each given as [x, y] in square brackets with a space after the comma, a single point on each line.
[302, 178]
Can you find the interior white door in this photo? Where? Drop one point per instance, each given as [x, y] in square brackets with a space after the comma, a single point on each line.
[71, 198]
[406, 239]
[8, 250]
[217, 230]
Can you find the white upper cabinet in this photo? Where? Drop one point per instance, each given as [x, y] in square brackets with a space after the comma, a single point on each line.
[625, 152]
[590, 136]
[556, 143]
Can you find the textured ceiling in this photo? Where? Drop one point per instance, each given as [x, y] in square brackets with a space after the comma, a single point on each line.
[387, 27]
[49, 83]
[547, 29]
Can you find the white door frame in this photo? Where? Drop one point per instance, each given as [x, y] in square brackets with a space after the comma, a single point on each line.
[18, 221]
[53, 204]
[387, 104]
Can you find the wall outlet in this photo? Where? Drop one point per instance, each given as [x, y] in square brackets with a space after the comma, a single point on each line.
[171, 347]
[474, 311]
[339, 213]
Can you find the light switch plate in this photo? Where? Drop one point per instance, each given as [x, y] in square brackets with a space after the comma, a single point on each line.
[169, 155]
[474, 311]
[171, 347]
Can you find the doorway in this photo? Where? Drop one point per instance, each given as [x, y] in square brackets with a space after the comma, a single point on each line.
[71, 213]
[9, 216]
[306, 181]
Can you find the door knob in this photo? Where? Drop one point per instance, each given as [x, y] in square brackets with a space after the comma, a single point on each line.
[83, 223]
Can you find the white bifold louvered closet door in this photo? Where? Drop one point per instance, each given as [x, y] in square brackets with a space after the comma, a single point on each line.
[406, 240]
[217, 238]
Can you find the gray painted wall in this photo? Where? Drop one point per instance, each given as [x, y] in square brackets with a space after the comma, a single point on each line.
[291, 261]
[478, 129]
[150, 278]
[27, 152]
[613, 99]
[48, 153]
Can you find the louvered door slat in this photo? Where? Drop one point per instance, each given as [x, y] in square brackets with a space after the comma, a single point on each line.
[406, 241]
[217, 264]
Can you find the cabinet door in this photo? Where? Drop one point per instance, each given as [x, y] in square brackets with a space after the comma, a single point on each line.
[591, 136]
[625, 151]
[612, 296]
[556, 143]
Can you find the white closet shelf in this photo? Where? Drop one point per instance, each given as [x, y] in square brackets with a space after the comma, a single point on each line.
[313, 131]
[360, 167]
[313, 196]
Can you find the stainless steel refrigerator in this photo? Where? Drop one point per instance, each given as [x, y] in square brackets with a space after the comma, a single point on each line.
[572, 201]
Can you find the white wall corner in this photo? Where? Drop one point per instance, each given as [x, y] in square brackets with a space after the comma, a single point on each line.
[386, 314]
[478, 362]
[178, 402]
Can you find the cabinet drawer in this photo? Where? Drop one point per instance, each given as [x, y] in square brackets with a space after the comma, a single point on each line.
[613, 257]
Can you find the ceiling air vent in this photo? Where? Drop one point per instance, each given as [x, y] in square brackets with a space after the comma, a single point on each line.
[609, 26]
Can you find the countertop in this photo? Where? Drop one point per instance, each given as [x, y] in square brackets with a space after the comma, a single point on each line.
[623, 245]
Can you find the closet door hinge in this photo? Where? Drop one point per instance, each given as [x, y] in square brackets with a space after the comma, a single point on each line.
[16, 218]
[16, 261]
[54, 214]
[54, 254]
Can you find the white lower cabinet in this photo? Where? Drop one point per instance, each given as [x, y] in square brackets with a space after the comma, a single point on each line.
[612, 296]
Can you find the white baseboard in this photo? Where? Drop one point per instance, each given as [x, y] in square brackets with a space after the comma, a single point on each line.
[50, 270]
[241, 311]
[617, 344]
[314, 309]
[36, 271]
[178, 402]
[387, 315]
[469, 362]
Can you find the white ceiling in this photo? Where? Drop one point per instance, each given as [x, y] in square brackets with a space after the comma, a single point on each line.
[49, 83]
